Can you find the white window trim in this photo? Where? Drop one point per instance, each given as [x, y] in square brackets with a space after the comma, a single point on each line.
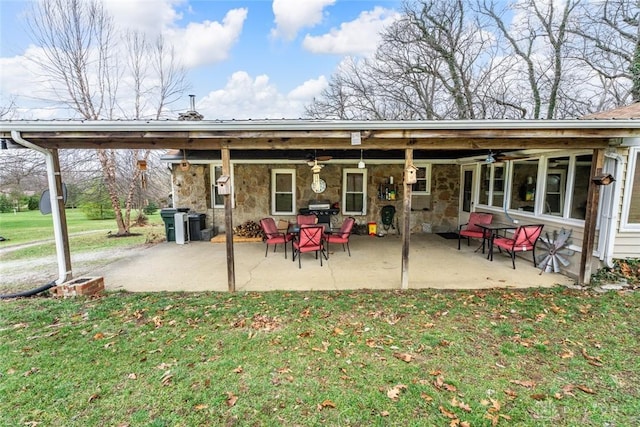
[212, 173]
[427, 167]
[625, 226]
[362, 172]
[291, 172]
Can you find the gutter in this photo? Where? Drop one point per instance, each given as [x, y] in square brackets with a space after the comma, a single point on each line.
[615, 209]
[54, 197]
[301, 125]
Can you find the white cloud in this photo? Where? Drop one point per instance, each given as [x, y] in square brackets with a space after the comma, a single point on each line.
[293, 15]
[209, 41]
[198, 43]
[245, 97]
[358, 37]
[148, 16]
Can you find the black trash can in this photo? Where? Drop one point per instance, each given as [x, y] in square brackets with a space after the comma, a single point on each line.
[197, 223]
[168, 217]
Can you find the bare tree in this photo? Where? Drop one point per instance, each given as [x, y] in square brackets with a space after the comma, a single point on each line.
[431, 64]
[609, 44]
[81, 64]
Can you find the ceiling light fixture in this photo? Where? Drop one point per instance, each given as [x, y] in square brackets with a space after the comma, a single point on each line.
[490, 158]
[361, 164]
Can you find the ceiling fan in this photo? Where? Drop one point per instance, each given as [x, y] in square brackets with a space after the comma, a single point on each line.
[501, 157]
[313, 159]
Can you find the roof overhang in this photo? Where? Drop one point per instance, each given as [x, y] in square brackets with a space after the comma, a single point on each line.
[327, 134]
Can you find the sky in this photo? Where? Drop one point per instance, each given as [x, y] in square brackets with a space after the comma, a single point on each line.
[253, 59]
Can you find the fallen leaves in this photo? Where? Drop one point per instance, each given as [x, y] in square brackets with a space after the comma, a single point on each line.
[405, 357]
[527, 384]
[394, 392]
[592, 360]
[326, 404]
[231, 399]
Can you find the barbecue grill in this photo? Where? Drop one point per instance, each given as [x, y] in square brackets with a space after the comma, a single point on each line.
[320, 208]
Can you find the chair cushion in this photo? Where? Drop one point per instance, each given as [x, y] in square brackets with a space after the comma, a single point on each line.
[333, 238]
[478, 218]
[473, 234]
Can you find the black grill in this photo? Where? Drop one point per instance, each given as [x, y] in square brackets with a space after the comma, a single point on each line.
[324, 215]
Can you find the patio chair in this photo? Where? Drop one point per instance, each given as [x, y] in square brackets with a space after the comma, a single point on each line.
[310, 239]
[472, 231]
[272, 236]
[342, 235]
[307, 219]
[524, 239]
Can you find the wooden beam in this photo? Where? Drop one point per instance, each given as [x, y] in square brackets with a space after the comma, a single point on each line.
[228, 223]
[591, 217]
[406, 220]
[314, 142]
[63, 215]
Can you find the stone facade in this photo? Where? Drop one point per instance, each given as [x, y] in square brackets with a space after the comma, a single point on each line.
[252, 186]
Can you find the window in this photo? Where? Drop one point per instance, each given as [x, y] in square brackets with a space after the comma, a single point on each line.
[217, 201]
[354, 192]
[631, 207]
[523, 189]
[554, 196]
[283, 191]
[492, 185]
[423, 180]
[581, 180]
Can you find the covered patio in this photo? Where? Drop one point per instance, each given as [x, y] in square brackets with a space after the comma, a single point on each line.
[375, 263]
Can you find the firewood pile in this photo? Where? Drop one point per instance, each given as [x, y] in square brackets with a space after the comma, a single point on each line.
[248, 229]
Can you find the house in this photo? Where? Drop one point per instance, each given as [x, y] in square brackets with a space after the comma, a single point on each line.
[527, 171]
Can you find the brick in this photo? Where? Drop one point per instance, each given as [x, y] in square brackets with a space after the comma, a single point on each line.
[80, 286]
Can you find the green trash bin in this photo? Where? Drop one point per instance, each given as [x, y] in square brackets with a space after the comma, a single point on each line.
[168, 216]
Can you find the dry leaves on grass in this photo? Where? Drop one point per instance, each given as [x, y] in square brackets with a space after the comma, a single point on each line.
[440, 384]
[394, 392]
[527, 384]
[326, 404]
[231, 399]
[405, 357]
[592, 360]
[493, 412]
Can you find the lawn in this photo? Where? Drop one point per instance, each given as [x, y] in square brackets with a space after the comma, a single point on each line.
[539, 357]
[84, 235]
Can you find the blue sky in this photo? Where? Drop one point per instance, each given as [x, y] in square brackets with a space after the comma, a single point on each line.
[245, 59]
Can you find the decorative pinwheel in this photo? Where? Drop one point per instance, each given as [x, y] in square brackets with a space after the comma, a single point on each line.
[557, 249]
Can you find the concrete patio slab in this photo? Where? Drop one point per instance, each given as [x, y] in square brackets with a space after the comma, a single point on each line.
[375, 263]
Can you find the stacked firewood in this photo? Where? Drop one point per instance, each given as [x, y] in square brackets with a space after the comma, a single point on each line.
[248, 229]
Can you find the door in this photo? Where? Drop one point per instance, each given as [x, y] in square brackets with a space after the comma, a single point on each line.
[467, 192]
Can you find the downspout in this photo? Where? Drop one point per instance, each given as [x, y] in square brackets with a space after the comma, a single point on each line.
[53, 193]
[615, 197]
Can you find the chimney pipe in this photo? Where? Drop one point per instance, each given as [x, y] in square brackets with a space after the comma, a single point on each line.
[193, 102]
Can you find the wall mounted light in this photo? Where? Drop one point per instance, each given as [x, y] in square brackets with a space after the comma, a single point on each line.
[605, 179]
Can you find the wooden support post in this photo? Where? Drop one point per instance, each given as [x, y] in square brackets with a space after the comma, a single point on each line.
[62, 215]
[228, 222]
[590, 219]
[406, 220]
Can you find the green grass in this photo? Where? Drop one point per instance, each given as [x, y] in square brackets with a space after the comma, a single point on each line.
[31, 226]
[552, 357]
[84, 235]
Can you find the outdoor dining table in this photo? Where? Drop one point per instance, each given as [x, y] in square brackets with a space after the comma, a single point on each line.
[493, 229]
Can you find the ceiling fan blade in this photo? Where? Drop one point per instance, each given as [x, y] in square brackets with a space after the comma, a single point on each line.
[323, 158]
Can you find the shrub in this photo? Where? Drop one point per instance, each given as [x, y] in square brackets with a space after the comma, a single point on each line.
[5, 204]
[150, 209]
[97, 211]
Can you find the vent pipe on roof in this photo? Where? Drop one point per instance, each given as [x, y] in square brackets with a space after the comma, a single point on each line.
[192, 114]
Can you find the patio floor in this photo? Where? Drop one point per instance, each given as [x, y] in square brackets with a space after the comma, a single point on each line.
[375, 263]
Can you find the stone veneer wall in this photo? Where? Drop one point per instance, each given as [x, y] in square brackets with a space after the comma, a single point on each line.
[252, 184]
